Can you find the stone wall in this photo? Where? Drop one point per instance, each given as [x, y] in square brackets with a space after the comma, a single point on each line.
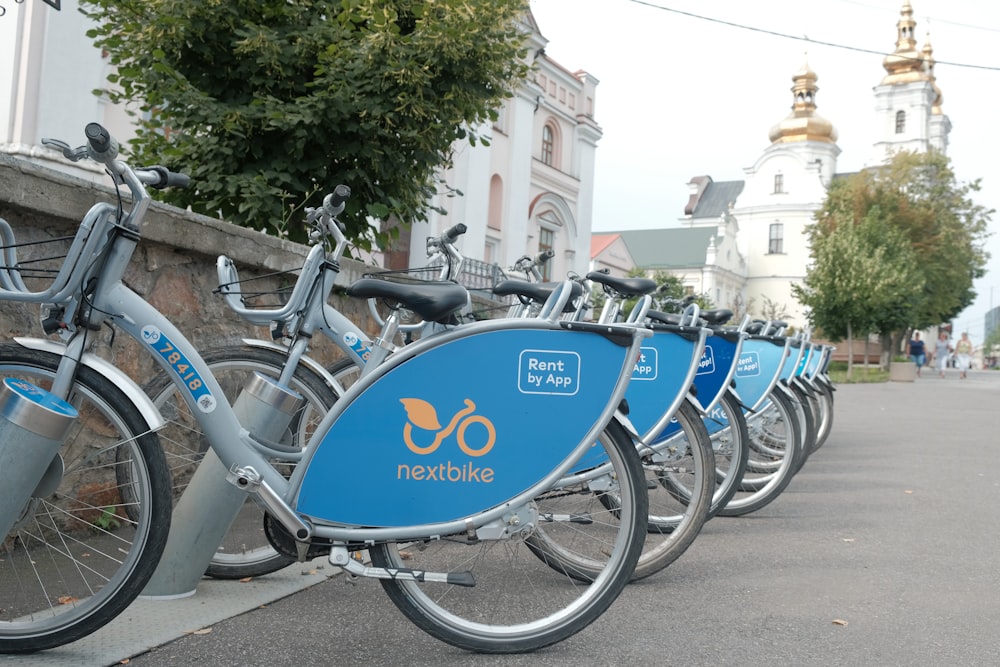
[173, 268]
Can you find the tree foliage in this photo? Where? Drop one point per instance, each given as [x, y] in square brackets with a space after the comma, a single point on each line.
[894, 248]
[268, 104]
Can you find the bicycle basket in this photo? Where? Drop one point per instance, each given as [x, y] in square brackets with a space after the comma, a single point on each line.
[31, 266]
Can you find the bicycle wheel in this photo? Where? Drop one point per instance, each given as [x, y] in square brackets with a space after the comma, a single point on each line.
[727, 427]
[520, 602]
[807, 422]
[681, 481]
[824, 401]
[775, 444]
[245, 551]
[82, 552]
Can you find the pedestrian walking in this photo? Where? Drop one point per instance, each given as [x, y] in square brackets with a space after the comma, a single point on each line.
[918, 352]
[963, 355]
[942, 352]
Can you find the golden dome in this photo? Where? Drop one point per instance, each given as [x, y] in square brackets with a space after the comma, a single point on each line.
[803, 124]
[906, 63]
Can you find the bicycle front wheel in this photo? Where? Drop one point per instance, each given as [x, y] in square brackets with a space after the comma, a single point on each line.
[521, 602]
[87, 545]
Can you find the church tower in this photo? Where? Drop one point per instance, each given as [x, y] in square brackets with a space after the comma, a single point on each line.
[784, 188]
[908, 100]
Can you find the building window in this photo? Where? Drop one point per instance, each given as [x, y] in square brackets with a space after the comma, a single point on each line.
[494, 219]
[775, 244]
[779, 184]
[900, 122]
[546, 241]
[548, 144]
[491, 252]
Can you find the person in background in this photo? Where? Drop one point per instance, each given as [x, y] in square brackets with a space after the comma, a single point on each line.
[942, 351]
[917, 352]
[963, 355]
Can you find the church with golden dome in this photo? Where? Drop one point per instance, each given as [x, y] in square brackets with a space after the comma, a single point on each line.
[741, 243]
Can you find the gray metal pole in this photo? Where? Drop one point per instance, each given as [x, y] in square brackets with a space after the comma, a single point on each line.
[210, 504]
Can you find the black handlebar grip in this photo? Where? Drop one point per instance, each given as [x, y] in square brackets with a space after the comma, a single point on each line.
[456, 231]
[167, 178]
[333, 203]
[98, 137]
[545, 256]
[102, 145]
[178, 180]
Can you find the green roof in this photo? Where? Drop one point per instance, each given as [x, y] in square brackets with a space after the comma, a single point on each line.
[674, 248]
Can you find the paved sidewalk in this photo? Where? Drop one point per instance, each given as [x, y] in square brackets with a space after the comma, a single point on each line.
[884, 550]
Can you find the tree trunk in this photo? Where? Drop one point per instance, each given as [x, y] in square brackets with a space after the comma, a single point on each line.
[850, 351]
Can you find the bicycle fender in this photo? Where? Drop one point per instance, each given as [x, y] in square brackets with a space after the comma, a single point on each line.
[129, 387]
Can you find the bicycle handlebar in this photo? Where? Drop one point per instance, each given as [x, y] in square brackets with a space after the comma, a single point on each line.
[334, 203]
[454, 232]
[103, 147]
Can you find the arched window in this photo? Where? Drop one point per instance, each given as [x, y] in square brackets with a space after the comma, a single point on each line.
[548, 144]
[900, 122]
[495, 215]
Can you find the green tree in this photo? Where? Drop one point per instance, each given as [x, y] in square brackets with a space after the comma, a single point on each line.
[268, 104]
[862, 279]
[918, 196]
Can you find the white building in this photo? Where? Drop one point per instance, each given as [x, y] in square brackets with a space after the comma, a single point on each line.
[787, 184]
[49, 69]
[531, 189]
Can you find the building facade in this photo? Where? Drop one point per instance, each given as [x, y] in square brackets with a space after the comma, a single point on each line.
[530, 189]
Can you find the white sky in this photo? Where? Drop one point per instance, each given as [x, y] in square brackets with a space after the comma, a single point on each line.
[681, 96]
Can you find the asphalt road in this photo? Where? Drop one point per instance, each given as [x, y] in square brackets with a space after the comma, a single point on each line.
[884, 550]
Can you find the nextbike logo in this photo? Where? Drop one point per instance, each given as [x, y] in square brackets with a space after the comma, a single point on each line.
[423, 435]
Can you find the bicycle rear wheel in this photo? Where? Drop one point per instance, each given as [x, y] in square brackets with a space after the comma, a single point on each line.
[520, 602]
[245, 551]
[84, 549]
[775, 445]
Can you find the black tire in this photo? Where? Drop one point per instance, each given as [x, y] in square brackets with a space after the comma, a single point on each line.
[681, 489]
[775, 444]
[824, 399]
[807, 421]
[727, 428]
[521, 602]
[82, 553]
[245, 551]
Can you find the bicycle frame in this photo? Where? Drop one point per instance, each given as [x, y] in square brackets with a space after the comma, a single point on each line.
[605, 356]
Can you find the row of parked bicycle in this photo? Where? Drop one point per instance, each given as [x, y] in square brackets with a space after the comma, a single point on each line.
[504, 479]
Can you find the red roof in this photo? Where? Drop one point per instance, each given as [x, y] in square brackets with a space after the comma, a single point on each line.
[600, 242]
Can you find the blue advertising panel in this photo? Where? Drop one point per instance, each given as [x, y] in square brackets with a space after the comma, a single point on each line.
[804, 361]
[792, 364]
[760, 360]
[713, 370]
[461, 427]
[814, 361]
[659, 378]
